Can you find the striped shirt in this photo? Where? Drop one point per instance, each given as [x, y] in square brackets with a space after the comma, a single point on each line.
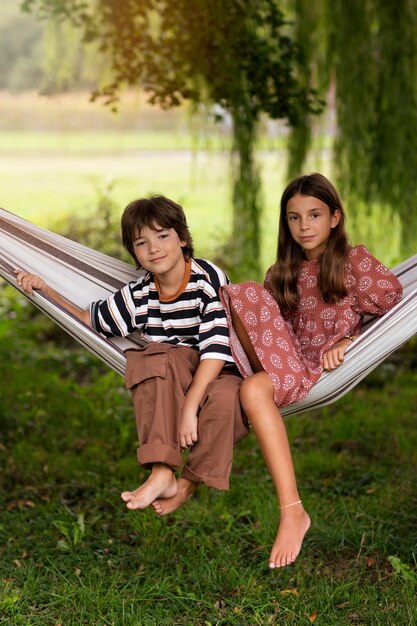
[193, 317]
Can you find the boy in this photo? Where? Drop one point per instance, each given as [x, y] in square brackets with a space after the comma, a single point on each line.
[183, 383]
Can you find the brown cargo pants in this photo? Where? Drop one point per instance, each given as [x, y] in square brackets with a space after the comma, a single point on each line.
[158, 377]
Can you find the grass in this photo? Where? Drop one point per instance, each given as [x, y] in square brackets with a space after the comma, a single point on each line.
[70, 553]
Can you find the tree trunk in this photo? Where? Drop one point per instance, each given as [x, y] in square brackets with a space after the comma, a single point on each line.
[243, 248]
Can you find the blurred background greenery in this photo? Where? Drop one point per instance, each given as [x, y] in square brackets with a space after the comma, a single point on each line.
[62, 158]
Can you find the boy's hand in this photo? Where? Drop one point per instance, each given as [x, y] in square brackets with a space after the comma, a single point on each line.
[206, 371]
[29, 282]
[335, 355]
[188, 428]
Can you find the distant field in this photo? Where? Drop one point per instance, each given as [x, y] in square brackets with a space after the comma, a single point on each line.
[43, 175]
[93, 141]
[57, 154]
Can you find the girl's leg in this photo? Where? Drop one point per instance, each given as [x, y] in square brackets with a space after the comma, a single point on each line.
[257, 397]
[258, 403]
[245, 341]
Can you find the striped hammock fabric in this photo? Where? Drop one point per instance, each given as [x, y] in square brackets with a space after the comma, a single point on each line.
[82, 275]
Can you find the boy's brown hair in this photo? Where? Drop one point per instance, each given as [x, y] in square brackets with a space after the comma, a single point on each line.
[155, 211]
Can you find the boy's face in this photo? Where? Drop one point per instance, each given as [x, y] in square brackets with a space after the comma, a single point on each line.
[159, 250]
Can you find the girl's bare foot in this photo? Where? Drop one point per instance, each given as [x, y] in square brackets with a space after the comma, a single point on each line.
[165, 505]
[160, 484]
[293, 525]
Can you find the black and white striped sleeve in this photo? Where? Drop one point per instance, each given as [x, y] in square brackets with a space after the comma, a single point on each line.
[214, 342]
[116, 316]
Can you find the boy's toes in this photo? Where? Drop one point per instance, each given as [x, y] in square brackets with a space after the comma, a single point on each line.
[157, 506]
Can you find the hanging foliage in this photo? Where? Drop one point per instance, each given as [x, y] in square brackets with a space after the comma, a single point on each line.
[308, 31]
[371, 50]
[236, 54]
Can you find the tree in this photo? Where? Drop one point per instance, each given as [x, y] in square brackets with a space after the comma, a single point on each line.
[236, 54]
[20, 50]
[369, 47]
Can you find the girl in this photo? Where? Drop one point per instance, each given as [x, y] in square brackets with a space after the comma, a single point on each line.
[283, 335]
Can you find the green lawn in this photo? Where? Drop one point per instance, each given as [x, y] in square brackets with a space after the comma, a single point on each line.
[71, 554]
[65, 174]
[45, 176]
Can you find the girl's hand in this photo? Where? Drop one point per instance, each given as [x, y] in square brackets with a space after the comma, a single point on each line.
[29, 282]
[336, 355]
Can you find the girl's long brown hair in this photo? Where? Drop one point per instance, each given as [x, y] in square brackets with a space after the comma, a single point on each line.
[284, 273]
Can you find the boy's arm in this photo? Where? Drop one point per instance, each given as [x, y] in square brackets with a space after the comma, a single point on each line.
[207, 370]
[29, 282]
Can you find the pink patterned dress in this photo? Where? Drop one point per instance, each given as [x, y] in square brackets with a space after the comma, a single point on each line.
[291, 347]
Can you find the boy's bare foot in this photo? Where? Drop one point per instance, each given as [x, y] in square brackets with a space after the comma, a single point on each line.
[165, 505]
[160, 484]
[293, 525]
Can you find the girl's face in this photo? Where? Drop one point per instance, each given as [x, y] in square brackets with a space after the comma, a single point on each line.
[310, 223]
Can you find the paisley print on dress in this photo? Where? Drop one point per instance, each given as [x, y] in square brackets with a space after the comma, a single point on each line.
[291, 347]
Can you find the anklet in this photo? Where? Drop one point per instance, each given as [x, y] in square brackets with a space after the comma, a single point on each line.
[292, 504]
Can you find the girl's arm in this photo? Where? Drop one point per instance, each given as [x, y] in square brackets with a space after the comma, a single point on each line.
[376, 291]
[376, 288]
[336, 354]
[207, 370]
[29, 282]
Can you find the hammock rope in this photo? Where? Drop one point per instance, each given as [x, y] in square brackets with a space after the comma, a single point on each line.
[82, 275]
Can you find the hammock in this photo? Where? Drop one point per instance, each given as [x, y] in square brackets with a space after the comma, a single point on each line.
[82, 275]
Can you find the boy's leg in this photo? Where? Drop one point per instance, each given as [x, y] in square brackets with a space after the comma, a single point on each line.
[221, 424]
[158, 377]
